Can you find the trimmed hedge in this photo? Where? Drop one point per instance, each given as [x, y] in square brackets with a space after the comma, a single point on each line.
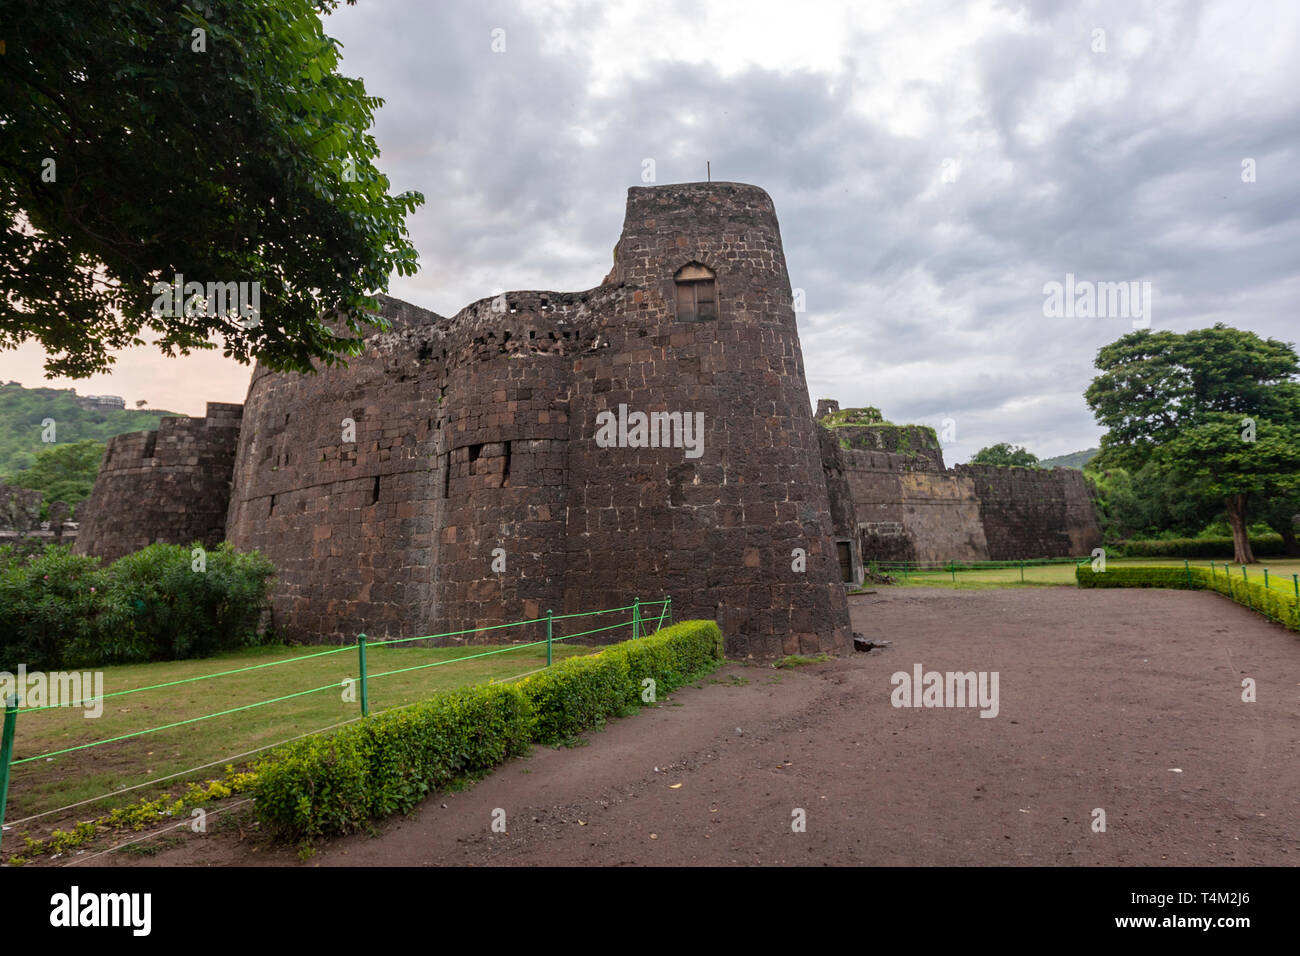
[389, 763]
[1264, 546]
[1273, 603]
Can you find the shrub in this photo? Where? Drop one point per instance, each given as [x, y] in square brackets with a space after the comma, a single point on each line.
[179, 612]
[49, 603]
[1275, 604]
[60, 610]
[388, 763]
[1265, 546]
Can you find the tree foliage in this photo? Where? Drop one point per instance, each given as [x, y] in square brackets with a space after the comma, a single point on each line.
[1213, 412]
[1004, 454]
[146, 139]
[62, 472]
[24, 412]
[1153, 384]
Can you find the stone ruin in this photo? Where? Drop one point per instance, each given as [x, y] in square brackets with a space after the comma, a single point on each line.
[484, 468]
[386, 492]
[20, 520]
[893, 499]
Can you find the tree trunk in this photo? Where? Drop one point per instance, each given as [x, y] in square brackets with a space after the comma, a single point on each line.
[1240, 539]
[1288, 540]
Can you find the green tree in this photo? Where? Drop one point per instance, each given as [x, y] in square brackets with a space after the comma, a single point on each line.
[1004, 454]
[63, 472]
[146, 139]
[1216, 411]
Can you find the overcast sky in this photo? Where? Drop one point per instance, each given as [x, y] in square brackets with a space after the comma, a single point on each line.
[933, 164]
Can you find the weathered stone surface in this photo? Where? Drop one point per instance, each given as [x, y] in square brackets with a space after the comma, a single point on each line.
[478, 433]
[903, 504]
[170, 485]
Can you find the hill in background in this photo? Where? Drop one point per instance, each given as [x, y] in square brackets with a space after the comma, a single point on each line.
[76, 417]
[1075, 459]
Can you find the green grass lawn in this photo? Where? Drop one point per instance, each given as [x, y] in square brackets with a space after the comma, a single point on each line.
[1049, 575]
[57, 781]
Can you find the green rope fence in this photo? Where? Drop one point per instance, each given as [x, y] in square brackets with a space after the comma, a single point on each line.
[638, 624]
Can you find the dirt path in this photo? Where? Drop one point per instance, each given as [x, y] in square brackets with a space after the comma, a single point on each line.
[1102, 696]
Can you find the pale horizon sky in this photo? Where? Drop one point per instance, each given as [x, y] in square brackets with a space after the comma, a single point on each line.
[933, 165]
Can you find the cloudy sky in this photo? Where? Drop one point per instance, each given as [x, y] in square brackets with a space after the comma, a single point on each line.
[933, 165]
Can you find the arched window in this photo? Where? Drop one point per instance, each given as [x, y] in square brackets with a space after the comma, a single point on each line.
[697, 296]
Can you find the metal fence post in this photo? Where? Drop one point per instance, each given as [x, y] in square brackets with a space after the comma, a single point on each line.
[361, 651]
[636, 618]
[1188, 568]
[548, 637]
[1266, 577]
[6, 755]
[1022, 572]
[670, 609]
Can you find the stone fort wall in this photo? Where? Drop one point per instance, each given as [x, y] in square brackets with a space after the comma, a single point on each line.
[478, 432]
[905, 505]
[169, 485]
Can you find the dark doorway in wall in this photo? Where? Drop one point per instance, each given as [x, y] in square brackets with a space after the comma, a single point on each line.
[845, 551]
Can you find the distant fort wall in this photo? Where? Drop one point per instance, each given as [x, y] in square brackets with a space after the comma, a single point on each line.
[170, 485]
[903, 504]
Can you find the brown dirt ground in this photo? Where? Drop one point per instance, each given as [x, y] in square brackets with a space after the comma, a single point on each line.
[1103, 694]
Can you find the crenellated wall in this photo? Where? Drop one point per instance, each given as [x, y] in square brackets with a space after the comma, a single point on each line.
[478, 433]
[170, 485]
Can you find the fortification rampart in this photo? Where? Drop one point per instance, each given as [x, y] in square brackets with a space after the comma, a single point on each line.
[476, 488]
[1034, 512]
[168, 485]
[905, 505]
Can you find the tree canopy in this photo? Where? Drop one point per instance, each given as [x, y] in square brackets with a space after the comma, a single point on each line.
[1005, 454]
[1214, 411]
[146, 139]
[64, 472]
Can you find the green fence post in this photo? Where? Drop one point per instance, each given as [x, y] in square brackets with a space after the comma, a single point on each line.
[1022, 572]
[1266, 578]
[636, 618]
[952, 569]
[6, 755]
[1188, 568]
[361, 651]
[670, 609]
[548, 637]
[1246, 587]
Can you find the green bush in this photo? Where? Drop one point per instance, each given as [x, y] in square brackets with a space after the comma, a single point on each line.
[180, 612]
[1275, 604]
[388, 763]
[1265, 546]
[49, 603]
[61, 610]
